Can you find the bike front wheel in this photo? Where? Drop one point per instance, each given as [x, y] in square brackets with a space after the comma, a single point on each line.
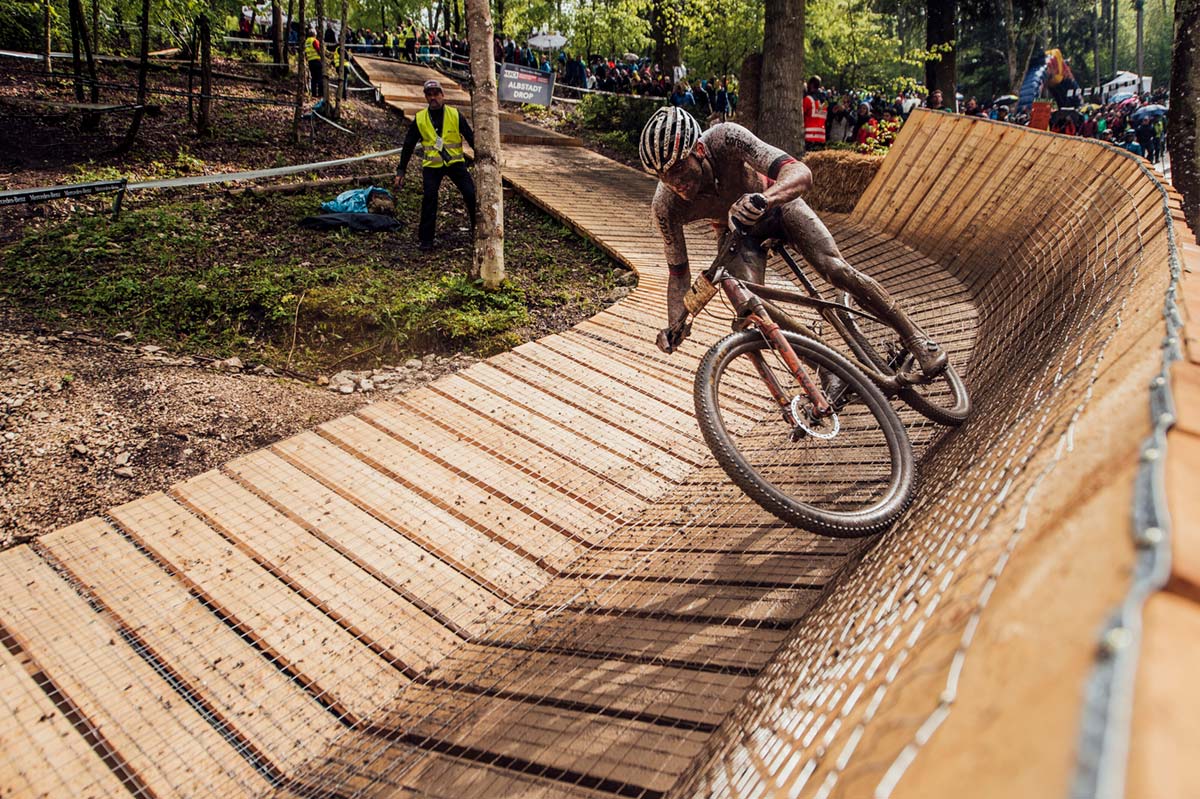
[846, 476]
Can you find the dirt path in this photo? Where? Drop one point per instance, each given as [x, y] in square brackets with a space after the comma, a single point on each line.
[88, 422]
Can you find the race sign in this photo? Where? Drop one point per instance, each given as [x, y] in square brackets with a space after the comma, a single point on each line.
[522, 85]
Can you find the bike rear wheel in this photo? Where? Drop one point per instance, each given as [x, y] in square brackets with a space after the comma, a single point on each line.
[944, 400]
[852, 484]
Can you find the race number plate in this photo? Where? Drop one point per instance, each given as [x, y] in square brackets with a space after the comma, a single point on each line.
[699, 294]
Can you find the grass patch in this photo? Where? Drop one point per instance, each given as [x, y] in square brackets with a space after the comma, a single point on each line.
[237, 276]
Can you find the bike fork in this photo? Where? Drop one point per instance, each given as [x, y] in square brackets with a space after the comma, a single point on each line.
[775, 337]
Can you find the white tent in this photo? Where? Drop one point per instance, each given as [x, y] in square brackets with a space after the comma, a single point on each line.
[1124, 82]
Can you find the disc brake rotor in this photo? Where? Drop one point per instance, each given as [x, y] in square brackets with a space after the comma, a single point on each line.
[802, 420]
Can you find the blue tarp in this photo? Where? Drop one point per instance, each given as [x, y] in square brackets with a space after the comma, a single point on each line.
[352, 201]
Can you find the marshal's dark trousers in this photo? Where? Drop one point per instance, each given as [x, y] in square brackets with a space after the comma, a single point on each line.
[431, 181]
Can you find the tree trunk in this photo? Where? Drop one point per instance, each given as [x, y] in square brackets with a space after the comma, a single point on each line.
[143, 69]
[1011, 34]
[499, 19]
[1096, 46]
[1105, 26]
[301, 79]
[326, 63]
[489, 224]
[343, 62]
[664, 30]
[76, 61]
[458, 27]
[940, 34]
[192, 72]
[46, 25]
[95, 26]
[749, 83]
[287, 35]
[1140, 6]
[91, 121]
[1183, 118]
[1115, 33]
[278, 47]
[781, 96]
[203, 119]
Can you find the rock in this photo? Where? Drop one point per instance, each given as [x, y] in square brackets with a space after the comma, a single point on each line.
[124, 335]
[423, 375]
[40, 416]
[366, 385]
[626, 279]
[413, 363]
[346, 388]
[80, 449]
[10, 436]
[233, 364]
[344, 376]
[121, 459]
[150, 349]
[263, 369]
[322, 380]
[123, 471]
[619, 293]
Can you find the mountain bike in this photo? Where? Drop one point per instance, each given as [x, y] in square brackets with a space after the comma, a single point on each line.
[806, 433]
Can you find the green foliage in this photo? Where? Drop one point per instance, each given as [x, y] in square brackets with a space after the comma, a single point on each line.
[718, 36]
[606, 112]
[21, 25]
[851, 45]
[610, 27]
[465, 310]
[227, 276]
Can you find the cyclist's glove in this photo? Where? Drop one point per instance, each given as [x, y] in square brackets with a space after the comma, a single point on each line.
[747, 210]
[669, 338]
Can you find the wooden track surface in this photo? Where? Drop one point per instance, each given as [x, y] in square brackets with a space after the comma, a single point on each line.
[527, 578]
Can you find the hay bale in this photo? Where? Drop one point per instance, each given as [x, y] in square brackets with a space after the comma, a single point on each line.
[839, 178]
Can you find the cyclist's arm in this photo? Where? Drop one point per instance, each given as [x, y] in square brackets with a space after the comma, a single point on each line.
[788, 178]
[675, 249]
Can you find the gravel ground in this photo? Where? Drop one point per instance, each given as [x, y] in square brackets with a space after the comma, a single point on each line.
[88, 422]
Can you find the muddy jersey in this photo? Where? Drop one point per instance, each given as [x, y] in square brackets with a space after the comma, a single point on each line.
[741, 164]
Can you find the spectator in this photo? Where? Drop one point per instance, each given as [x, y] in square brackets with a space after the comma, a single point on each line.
[816, 112]
[1145, 136]
[721, 101]
[316, 72]
[936, 102]
[840, 124]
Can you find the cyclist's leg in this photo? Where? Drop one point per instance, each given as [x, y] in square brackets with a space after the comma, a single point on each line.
[805, 231]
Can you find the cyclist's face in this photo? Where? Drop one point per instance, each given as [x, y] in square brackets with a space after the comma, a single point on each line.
[685, 178]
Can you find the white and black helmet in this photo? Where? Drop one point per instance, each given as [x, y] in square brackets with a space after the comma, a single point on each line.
[669, 137]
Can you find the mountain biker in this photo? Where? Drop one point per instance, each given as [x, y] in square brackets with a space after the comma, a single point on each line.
[729, 175]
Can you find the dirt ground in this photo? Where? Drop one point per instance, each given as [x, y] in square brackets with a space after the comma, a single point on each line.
[88, 421]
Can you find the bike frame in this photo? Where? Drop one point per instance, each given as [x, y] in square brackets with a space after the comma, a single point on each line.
[752, 312]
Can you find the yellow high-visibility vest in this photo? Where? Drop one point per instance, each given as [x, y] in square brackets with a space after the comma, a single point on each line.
[310, 49]
[451, 139]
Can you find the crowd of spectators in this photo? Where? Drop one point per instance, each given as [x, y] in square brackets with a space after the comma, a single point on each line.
[869, 121]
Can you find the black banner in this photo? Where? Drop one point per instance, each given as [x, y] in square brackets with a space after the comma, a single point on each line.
[523, 85]
[19, 196]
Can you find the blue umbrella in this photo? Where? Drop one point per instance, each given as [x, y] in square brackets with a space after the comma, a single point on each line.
[1148, 111]
[1120, 97]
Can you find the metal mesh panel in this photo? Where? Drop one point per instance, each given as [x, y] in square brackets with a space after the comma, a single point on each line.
[531, 578]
